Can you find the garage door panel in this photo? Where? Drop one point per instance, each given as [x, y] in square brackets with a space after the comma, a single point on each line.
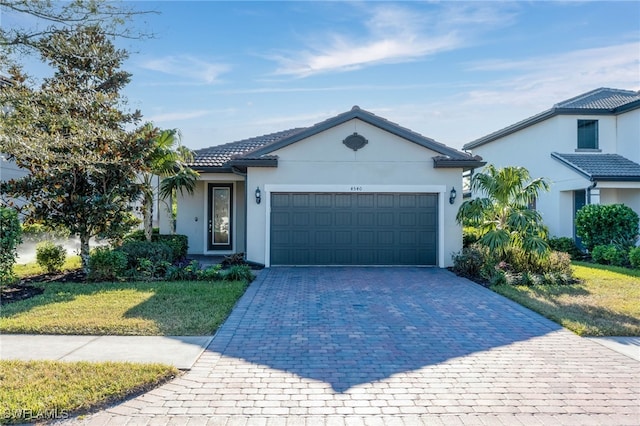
[367, 219]
[353, 229]
[323, 218]
[323, 237]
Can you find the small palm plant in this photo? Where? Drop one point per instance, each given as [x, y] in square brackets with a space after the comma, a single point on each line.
[168, 161]
[502, 215]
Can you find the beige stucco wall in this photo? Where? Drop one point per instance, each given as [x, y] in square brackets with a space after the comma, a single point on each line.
[322, 163]
[192, 218]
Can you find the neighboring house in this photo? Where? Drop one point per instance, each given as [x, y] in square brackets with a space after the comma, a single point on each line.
[587, 146]
[355, 189]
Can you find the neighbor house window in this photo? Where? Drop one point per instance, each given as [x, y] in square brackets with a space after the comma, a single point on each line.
[587, 134]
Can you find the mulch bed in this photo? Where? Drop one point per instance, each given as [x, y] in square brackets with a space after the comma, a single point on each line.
[25, 288]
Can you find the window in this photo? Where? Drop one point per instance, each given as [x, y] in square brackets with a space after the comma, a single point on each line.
[220, 216]
[587, 134]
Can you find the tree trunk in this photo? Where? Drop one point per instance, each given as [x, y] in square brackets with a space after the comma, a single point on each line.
[84, 251]
[148, 216]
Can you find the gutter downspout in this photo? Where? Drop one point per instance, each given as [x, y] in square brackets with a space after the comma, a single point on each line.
[237, 171]
[592, 186]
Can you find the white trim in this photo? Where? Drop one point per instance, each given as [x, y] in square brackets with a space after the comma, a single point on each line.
[428, 189]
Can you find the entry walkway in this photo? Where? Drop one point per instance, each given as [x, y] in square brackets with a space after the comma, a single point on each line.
[389, 346]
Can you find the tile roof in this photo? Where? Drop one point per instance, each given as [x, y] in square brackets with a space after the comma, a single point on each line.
[611, 167]
[602, 98]
[599, 101]
[256, 151]
[219, 156]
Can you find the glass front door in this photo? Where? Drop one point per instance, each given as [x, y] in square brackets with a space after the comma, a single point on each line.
[220, 216]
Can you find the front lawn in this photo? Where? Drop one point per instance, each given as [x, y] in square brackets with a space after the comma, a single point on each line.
[605, 303]
[178, 308]
[36, 391]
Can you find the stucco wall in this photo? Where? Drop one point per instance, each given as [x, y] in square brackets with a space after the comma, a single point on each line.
[192, 218]
[323, 164]
[532, 147]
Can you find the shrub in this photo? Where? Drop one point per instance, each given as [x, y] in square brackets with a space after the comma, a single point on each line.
[179, 244]
[602, 224]
[610, 254]
[106, 264]
[50, 256]
[10, 238]
[238, 273]
[472, 261]
[157, 252]
[566, 245]
[634, 257]
[181, 272]
[211, 273]
[470, 235]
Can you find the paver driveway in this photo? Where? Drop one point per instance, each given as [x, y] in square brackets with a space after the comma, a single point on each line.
[389, 346]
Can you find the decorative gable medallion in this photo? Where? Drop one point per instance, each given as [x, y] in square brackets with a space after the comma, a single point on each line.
[355, 141]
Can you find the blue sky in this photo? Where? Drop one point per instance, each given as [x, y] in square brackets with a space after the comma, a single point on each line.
[452, 71]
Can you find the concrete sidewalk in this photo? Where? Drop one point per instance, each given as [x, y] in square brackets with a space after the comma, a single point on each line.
[179, 351]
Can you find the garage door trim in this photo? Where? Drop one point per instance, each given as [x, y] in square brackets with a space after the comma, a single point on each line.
[430, 189]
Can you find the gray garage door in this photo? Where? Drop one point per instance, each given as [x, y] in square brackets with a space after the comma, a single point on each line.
[354, 229]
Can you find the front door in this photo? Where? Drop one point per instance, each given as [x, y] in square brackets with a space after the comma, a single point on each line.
[220, 216]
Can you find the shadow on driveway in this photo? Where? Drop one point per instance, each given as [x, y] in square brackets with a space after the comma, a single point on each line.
[349, 326]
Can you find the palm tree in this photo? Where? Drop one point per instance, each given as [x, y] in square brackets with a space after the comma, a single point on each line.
[502, 213]
[167, 161]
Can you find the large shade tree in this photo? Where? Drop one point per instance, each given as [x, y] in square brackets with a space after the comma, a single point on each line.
[502, 212]
[72, 135]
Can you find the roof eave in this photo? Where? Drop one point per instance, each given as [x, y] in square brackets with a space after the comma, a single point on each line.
[466, 164]
[254, 162]
[605, 178]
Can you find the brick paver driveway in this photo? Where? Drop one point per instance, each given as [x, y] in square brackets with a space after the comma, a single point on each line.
[390, 346]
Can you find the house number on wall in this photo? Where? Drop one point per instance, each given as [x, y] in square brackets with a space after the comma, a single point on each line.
[357, 189]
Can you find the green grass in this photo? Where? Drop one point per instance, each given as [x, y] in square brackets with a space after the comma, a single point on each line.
[32, 268]
[33, 391]
[136, 308]
[605, 303]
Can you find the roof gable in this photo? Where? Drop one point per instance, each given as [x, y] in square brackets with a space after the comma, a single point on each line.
[602, 101]
[367, 117]
[256, 152]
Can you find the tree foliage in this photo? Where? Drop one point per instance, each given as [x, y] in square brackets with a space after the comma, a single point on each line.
[603, 224]
[10, 238]
[71, 134]
[501, 213]
[167, 160]
[40, 19]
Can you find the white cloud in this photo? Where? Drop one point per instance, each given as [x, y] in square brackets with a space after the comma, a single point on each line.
[544, 81]
[393, 34]
[189, 67]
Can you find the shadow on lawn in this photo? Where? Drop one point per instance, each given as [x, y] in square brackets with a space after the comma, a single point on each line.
[349, 326]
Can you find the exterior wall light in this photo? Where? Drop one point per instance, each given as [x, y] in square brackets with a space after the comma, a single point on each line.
[258, 195]
[452, 196]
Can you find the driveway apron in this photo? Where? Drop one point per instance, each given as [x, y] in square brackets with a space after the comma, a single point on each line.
[389, 346]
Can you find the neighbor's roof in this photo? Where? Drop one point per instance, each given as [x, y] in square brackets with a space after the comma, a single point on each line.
[258, 151]
[607, 167]
[596, 102]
